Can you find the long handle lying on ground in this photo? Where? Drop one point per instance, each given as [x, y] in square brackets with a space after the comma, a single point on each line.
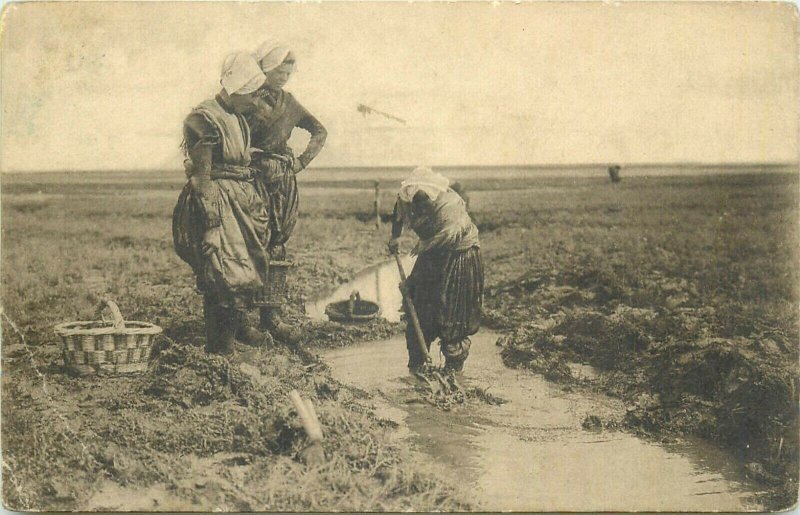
[313, 454]
[311, 411]
[307, 417]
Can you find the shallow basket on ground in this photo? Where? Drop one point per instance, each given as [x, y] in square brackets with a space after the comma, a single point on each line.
[274, 293]
[354, 309]
[118, 346]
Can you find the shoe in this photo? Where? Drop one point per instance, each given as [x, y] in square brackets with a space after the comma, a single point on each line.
[221, 344]
[286, 333]
[452, 365]
[270, 321]
[221, 349]
[220, 329]
[251, 336]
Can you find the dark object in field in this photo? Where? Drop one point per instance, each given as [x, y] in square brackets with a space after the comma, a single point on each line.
[115, 346]
[613, 173]
[353, 309]
[274, 293]
[592, 422]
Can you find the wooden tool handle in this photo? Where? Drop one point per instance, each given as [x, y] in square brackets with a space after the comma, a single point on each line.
[412, 312]
[313, 430]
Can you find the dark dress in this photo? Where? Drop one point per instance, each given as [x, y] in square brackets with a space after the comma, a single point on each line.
[271, 127]
[446, 283]
[226, 198]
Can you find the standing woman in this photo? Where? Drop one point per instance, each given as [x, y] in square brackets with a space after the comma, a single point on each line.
[446, 284]
[220, 225]
[271, 127]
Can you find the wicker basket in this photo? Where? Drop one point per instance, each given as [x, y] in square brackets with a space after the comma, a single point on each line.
[116, 346]
[354, 309]
[274, 293]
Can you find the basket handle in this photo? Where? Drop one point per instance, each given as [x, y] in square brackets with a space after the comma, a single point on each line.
[119, 322]
[351, 304]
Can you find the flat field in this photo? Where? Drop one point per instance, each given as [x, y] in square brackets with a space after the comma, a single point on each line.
[681, 290]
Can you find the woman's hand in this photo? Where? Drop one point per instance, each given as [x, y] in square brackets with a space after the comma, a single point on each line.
[212, 241]
[188, 168]
[403, 286]
[286, 163]
[202, 184]
[297, 165]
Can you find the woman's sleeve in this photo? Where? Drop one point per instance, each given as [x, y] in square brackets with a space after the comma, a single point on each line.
[199, 132]
[200, 137]
[318, 136]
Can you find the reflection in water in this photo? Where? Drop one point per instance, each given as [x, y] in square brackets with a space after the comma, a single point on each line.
[377, 283]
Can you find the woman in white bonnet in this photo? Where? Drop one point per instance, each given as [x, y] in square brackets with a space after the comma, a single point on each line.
[271, 126]
[220, 224]
[446, 284]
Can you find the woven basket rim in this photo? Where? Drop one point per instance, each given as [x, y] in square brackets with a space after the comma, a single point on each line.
[78, 328]
[279, 263]
[336, 315]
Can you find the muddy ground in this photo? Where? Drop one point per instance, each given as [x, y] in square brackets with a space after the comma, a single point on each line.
[196, 432]
[681, 291]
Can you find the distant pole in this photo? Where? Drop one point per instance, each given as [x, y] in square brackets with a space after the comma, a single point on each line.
[613, 174]
[378, 287]
[378, 205]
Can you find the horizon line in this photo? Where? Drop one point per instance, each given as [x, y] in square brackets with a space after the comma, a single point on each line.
[647, 164]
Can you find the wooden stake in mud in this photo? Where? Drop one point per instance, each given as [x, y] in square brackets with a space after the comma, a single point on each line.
[378, 205]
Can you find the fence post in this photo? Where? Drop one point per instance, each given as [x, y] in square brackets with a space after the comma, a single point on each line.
[378, 205]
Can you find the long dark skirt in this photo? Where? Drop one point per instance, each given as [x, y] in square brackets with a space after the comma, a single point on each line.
[447, 290]
[277, 185]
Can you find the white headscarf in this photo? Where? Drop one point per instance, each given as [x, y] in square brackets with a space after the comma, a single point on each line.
[271, 54]
[241, 74]
[426, 180]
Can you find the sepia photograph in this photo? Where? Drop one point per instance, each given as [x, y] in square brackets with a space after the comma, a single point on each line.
[399, 256]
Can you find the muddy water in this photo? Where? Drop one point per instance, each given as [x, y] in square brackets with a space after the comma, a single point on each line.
[532, 453]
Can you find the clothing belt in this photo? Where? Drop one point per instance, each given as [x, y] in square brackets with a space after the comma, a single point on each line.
[234, 172]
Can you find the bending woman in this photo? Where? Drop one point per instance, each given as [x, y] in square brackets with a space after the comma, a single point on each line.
[446, 284]
[221, 224]
[271, 127]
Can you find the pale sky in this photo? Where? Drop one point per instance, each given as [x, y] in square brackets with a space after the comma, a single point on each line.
[88, 86]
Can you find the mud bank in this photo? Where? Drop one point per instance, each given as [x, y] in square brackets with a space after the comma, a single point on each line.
[684, 315]
[675, 376]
